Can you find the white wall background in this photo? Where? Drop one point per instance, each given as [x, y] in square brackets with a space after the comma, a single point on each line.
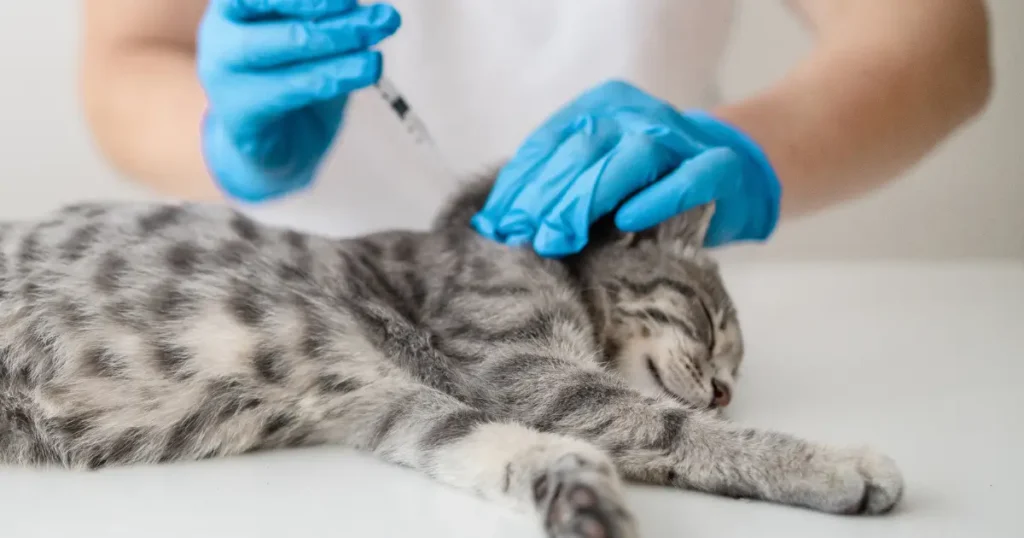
[966, 200]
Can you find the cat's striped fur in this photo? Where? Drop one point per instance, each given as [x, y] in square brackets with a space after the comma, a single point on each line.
[145, 333]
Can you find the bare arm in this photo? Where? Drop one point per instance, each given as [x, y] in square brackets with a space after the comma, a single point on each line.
[885, 84]
[140, 92]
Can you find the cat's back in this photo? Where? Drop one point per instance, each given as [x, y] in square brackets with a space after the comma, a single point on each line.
[110, 245]
[76, 235]
[163, 281]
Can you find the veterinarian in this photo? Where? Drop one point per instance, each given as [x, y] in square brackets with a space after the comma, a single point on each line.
[593, 106]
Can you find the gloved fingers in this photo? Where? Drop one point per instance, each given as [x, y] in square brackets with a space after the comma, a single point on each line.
[665, 129]
[533, 154]
[511, 180]
[543, 189]
[545, 140]
[536, 177]
[266, 9]
[264, 97]
[271, 43]
[530, 157]
[711, 175]
[576, 116]
[637, 161]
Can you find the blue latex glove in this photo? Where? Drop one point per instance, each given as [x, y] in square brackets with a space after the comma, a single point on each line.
[277, 74]
[615, 145]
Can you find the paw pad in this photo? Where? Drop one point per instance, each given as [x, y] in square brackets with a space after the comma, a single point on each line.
[578, 500]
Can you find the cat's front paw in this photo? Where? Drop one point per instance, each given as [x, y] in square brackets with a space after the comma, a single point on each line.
[856, 481]
[581, 500]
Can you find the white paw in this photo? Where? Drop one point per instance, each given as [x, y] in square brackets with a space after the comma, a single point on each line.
[857, 481]
[883, 480]
[580, 499]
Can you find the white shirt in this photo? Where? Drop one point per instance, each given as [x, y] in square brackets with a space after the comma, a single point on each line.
[483, 74]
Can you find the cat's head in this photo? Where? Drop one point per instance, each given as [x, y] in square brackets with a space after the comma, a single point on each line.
[668, 322]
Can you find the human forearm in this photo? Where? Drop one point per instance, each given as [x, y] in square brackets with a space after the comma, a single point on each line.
[144, 106]
[884, 86]
[140, 92]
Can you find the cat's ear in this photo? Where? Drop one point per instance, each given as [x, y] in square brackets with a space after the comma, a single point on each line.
[684, 230]
[604, 233]
[687, 229]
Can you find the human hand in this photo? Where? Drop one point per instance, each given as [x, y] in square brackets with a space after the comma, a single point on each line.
[616, 148]
[277, 74]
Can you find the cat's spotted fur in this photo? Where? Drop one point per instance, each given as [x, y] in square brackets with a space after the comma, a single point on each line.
[142, 333]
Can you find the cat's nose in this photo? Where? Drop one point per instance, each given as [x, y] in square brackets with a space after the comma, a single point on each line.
[722, 395]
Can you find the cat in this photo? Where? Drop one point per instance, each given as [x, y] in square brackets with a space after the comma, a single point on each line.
[141, 333]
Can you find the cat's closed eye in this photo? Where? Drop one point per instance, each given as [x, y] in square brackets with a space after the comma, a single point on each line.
[711, 328]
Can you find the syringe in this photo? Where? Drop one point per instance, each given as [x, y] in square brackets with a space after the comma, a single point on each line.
[412, 122]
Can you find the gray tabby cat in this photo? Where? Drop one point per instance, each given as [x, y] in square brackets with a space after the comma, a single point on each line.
[143, 333]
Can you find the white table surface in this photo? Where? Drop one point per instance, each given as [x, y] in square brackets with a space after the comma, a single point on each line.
[925, 362]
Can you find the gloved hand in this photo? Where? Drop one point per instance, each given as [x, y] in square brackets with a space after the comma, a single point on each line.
[615, 145]
[277, 74]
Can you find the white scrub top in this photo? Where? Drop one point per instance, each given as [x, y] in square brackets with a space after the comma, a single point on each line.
[482, 74]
